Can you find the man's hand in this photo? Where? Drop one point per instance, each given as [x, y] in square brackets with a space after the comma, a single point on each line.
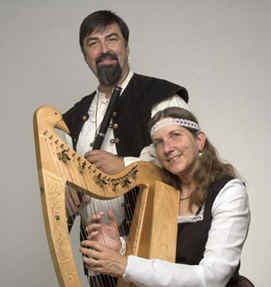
[73, 201]
[105, 161]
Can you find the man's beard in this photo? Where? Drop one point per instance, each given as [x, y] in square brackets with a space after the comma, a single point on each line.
[108, 75]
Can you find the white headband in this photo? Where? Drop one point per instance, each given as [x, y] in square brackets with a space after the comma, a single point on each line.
[169, 121]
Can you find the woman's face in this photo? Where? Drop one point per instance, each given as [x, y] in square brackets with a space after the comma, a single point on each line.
[177, 148]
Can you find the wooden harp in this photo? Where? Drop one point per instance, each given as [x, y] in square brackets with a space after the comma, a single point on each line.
[153, 230]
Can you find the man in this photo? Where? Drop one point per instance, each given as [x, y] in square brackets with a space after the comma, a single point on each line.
[104, 40]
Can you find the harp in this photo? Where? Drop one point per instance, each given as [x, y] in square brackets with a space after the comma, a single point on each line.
[153, 230]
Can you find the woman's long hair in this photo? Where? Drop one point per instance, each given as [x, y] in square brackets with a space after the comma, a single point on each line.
[209, 167]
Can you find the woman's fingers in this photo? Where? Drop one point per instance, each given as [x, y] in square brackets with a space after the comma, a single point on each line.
[112, 218]
[93, 227]
[91, 245]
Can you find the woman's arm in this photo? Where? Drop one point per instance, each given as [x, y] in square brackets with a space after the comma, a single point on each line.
[226, 237]
[223, 248]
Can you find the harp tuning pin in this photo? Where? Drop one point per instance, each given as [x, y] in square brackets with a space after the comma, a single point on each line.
[63, 156]
[82, 166]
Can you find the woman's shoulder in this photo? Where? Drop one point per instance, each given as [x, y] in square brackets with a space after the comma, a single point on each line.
[233, 186]
[232, 194]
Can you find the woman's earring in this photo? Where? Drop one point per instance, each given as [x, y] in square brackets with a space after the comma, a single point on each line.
[200, 153]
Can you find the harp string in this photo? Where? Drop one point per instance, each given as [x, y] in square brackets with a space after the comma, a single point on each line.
[100, 280]
[96, 277]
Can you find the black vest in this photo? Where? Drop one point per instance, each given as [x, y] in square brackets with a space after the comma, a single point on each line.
[132, 113]
[192, 237]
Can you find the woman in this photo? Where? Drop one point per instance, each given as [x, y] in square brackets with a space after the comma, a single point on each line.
[213, 214]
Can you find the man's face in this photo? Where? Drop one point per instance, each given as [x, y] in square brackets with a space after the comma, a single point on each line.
[106, 54]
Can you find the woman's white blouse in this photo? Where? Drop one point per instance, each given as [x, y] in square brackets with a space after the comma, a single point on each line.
[227, 234]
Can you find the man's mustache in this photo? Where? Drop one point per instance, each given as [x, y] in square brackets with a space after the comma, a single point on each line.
[105, 56]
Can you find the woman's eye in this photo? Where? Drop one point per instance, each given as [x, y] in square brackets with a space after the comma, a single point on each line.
[157, 143]
[175, 134]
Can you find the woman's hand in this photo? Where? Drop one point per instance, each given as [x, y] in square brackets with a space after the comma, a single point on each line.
[99, 258]
[105, 233]
[101, 250]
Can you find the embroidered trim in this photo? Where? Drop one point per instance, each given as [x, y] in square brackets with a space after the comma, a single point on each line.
[169, 121]
[192, 218]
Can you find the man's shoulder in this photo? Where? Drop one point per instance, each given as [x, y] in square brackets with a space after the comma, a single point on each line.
[152, 84]
[150, 79]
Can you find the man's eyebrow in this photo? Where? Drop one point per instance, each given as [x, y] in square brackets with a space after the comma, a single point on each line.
[90, 38]
[112, 34]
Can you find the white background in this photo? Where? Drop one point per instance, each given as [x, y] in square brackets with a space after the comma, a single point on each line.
[219, 50]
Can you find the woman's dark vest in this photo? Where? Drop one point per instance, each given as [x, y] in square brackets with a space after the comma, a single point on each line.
[192, 237]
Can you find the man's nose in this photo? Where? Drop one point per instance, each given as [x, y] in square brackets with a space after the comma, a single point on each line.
[104, 47]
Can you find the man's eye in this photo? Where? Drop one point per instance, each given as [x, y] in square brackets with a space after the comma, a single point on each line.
[111, 39]
[91, 43]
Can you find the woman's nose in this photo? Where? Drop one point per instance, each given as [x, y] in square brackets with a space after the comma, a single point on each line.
[168, 147]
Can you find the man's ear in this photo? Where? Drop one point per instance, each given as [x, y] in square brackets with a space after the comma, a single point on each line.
[85, 56]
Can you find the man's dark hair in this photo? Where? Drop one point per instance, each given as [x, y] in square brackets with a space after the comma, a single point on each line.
[101, 19]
